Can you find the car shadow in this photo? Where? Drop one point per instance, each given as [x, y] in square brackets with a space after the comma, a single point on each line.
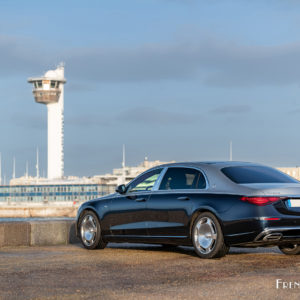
[186, 250]
[154, 247]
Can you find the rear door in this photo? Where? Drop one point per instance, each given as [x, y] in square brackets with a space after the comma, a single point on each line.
[169, 208]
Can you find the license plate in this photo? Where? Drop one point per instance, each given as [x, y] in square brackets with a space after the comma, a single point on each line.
[293, 203]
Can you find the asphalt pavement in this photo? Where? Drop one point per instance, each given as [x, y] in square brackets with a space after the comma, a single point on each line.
[124, 271]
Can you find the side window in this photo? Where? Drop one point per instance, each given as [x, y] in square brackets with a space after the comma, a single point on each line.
[144, 182]
[182, 178]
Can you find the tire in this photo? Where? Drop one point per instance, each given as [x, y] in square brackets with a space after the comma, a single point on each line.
[292, 249]
[90, 231]
[207, 237]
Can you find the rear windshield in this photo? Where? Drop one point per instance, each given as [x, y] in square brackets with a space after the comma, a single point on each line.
[256, 174]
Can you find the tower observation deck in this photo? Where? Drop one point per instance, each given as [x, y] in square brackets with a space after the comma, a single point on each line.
[49, 90]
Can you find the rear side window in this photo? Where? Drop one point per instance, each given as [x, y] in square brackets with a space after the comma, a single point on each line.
[182, 178]
[256, 174]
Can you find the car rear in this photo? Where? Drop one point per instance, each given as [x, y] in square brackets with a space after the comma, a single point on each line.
[272, 206]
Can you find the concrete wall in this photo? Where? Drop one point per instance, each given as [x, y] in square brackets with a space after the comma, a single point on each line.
[38, 211]
[37, 233]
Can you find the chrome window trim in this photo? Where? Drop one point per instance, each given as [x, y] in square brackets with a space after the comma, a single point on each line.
[186, 190]
[159, 179]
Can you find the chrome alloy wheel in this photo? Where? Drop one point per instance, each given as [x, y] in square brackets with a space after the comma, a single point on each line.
[205, 235]
[88, 230]
[291, 247]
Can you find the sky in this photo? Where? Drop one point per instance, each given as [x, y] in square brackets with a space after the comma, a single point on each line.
[170, 79]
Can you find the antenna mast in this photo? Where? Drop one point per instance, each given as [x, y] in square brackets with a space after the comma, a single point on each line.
[123, 166]
[0, 169]
[37, 163]
[26, 172]
[14, 168]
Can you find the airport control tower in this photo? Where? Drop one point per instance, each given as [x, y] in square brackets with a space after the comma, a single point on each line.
[49, 90]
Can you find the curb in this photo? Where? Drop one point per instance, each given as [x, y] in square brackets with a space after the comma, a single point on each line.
[38, 233]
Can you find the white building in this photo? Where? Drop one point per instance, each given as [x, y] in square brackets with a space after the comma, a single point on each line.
[115, 178]
[292, 171]
[49, 90]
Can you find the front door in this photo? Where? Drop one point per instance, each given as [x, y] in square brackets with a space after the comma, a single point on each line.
[128, 215]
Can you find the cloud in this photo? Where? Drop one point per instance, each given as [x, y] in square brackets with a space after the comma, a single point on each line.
[295, 111]
[148, 115]
[87, 120]
[211, 61]
[21, 55]
[231, 109]
[75, 87]
[29, 121]
[139, 115]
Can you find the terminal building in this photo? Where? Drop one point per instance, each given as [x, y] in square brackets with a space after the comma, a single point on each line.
[69, 189]
[75, 189]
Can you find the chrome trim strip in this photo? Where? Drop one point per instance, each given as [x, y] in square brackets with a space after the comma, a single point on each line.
[274, 229]
[237, 234]
[147, 236]
[188, 167]
[159, 179]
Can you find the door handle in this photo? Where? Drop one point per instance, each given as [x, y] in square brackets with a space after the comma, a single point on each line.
[183, 198]
[140, 199]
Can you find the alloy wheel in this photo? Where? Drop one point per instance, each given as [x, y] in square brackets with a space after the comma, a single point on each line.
[88, 230]
[205, 235]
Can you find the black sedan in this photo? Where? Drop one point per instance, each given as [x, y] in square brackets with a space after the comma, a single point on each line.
[208, 205]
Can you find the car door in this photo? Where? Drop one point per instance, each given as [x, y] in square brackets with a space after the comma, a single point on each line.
[128, 215]
[170, 206]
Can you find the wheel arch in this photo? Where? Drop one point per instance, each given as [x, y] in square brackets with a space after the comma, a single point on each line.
[201, 210]
[88, 208]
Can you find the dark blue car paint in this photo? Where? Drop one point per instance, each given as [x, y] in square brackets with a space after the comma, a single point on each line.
[167, 216]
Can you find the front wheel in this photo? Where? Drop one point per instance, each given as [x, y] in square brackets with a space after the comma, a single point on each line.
[90, 231]
[292, 249]
[207, 237]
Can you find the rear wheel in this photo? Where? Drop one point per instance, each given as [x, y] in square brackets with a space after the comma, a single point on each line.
[292, 249]
[90, 231]
[207, 237]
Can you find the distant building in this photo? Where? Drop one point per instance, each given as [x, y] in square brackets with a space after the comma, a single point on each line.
[128, 172]
[81, 189]
[292, 171]
[78, 189]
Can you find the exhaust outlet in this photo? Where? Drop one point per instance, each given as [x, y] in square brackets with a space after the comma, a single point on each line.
[273, 237]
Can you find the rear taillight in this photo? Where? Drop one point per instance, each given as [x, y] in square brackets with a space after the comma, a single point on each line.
[261, 201]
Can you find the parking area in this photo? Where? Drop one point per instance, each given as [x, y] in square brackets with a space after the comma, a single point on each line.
[123, 271]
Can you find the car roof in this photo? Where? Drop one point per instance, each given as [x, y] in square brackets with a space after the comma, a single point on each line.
[211, 164]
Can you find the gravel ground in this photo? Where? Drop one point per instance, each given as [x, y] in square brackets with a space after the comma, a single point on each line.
[123, 271]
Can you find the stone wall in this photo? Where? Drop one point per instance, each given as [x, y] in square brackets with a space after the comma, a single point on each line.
[37, 233]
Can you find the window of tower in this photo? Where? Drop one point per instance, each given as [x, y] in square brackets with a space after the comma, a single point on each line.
[53, 84]
[39, 83]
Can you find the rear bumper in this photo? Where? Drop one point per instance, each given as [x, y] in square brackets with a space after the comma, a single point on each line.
[262, 233]
[279, 234]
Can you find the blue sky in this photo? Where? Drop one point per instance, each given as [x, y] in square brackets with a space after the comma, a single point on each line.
[171, 79]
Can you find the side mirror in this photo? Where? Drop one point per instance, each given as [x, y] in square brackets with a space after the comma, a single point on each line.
[121, 189]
